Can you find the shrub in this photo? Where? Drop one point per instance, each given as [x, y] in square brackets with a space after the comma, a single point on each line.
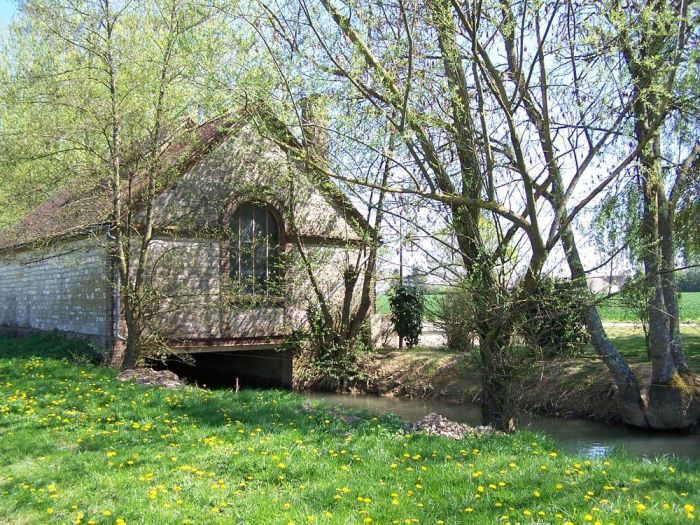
[325, 360]
[407, 304]
[553, 321]
[454, 314]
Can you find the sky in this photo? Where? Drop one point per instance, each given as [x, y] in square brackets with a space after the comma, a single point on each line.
[7, 9]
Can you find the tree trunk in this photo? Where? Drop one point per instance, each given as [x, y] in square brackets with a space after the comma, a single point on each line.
[629, 398]
[495, 407]
[668, 283]
[497, 404]
[669, 395]
[133, 336]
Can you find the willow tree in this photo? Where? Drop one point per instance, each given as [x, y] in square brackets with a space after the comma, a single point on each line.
[655, 41]
[506, 117]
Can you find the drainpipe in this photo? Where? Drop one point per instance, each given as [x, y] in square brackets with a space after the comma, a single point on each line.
[116, 304]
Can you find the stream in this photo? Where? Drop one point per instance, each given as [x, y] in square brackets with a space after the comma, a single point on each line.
[585, 438]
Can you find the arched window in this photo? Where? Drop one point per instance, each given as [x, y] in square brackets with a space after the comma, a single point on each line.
[255, 239]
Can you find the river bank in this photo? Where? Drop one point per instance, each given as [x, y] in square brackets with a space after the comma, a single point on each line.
[575, 387]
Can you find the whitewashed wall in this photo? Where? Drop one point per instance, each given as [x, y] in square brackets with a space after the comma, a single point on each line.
[64, 287]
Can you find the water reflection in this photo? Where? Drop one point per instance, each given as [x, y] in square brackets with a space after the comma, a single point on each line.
[592, 450]
[585, 438]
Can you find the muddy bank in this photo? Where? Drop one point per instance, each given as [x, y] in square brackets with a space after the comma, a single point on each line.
[571, 388]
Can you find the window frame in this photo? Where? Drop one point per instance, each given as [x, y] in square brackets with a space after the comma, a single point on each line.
[226, 252]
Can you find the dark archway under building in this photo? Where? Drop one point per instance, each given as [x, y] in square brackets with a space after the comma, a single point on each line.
[229, 368]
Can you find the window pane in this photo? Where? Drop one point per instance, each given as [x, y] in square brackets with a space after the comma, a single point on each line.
[247, 265]
[247, 262]
[260, 224]
[273, 248]
[235, 240]
[246, 218]
[254, 247]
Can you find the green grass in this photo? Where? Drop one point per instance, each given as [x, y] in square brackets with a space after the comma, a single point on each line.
[630, 342]
[76, 446]
[612, 311]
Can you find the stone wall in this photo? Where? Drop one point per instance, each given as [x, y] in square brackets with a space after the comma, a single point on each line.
[64, 287]
[186, 279]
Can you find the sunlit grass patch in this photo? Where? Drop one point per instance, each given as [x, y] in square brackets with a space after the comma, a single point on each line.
[76, 446]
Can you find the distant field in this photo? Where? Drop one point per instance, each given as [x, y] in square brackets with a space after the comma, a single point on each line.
[611, 312]
[690, 310]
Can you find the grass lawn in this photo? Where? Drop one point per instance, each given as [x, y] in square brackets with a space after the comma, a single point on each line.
[630, 342]
[76, 446]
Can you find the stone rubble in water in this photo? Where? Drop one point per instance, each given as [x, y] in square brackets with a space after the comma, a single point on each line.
[148, 376]
[441, 426]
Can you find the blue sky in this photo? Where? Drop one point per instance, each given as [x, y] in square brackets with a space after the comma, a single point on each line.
[7, 9]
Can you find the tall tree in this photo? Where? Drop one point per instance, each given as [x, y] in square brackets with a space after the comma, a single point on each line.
[653, 40]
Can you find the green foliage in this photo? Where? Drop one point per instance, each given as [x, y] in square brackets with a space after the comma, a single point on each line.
[407, 304]
[553, 321]
[454, 313]
[55, 118]
[325, 359]
[688, 280]
[688, 215]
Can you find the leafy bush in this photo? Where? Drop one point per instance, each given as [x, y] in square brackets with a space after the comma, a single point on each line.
[407, 304]
[553, 321]
[454, 313]
[688, 281]
[324, 359]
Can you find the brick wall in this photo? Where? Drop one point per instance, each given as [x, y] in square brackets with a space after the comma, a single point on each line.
[64, 287]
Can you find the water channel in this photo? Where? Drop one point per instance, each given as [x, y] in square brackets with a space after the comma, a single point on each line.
[585, 438]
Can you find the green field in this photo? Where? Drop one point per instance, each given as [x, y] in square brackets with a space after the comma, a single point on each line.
[610, 311]
[431, 302]
[79, 447]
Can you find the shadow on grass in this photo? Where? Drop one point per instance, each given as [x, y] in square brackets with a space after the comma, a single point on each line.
[48, 345]
[270, 409]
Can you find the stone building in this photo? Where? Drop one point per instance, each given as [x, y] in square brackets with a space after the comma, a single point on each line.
[224, 271]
